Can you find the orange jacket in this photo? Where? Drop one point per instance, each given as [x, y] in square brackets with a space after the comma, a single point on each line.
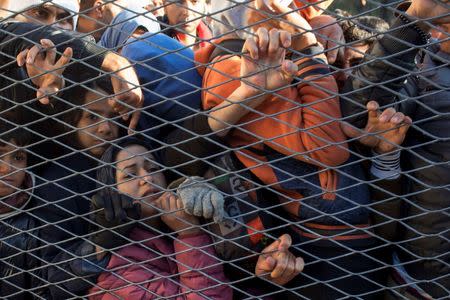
[301, 123]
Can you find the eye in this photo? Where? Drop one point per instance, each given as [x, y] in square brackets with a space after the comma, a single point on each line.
[20, 156]
[93, 117]
[40, 13]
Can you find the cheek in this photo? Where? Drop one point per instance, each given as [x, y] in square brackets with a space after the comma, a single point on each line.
[129, 188]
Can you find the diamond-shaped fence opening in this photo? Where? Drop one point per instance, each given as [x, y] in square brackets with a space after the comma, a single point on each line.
[232, 149]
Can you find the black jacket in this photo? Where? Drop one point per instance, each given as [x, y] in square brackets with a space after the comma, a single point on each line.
[18, 93]
[19, 259]
[385, 76]
[63, 193]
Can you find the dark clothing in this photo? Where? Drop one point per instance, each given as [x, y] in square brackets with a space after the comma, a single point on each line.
[425, 98]
[63, 192]
[19, 260]
[18, 89]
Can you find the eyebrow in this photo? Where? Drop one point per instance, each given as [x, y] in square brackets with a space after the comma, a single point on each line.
[132, 165]
[64, 15]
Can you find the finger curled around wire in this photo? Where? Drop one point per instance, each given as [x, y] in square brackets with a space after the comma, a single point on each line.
[387, 115]
[251, 48]
[289, 70]
[262, 39]
[22, 57]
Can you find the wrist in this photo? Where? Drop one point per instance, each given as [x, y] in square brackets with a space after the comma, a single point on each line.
[189, 232]
[303, 41]
[113, 62]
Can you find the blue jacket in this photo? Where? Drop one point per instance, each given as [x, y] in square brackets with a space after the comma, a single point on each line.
[169, 79]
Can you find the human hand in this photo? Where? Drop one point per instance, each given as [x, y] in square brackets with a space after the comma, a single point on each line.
[383, 132]
[330, 35]
[42, 69]
[277, 263]
[201, 199]
[112, 232]
[434, 11]
[174, 216]
[276, 14]
[128, 97]
[263, 66]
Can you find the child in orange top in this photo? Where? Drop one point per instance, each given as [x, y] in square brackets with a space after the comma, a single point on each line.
[288, 135]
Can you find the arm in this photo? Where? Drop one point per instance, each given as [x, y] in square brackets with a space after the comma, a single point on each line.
[90, 61]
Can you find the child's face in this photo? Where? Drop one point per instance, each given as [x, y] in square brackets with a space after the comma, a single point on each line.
[185, 13]
[13, 161]
[137, 175]
[95, 130]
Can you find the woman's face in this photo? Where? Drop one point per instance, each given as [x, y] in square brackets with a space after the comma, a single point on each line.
[96, 127]
[137, 175]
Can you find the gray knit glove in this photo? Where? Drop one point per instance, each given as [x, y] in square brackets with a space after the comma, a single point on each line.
[201, 199]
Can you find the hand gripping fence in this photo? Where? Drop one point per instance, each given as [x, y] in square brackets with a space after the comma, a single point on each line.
[232, 149]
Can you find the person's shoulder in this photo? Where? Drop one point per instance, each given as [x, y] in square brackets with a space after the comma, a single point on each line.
[151, 44]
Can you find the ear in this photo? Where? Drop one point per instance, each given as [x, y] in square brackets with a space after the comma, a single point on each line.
[98, 8]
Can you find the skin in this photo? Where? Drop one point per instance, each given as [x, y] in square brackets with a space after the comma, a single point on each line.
[352, 57]
[184, 14]
[94, 20]
[13, 161]
[156, 7]
[48, 14]
[140, 178]
[95, 130]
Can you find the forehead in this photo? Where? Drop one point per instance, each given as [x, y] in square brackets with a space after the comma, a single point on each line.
[133, 152]
[54, 9]
[9, 146]
[96, 99]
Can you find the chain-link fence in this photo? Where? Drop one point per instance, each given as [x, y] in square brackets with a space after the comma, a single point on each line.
[224, 149]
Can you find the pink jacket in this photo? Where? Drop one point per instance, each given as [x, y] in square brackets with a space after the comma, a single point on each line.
[154, 268]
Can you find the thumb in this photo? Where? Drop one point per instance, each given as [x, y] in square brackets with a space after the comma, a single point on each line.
[285, 242]
[372, 109]
[350, 130]
[41, 95]
[289, 70]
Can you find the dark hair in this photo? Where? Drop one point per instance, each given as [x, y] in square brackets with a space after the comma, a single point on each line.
[366, 29]
[106, 174]
[74, 97]
[10, 132]
[86, 4]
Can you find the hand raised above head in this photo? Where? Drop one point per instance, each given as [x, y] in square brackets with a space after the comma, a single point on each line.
[264, 67]
[43, 69]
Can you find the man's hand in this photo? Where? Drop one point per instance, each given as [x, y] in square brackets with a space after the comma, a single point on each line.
[434, 11]
[264, 67]
[128, 99]
[330, 35]
[277, 263]
[42, 69]
[383, 132]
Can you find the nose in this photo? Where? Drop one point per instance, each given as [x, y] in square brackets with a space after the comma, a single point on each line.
[105, 128]
[146, 178]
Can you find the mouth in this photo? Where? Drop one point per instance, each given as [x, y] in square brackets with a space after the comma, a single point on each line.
[151, 194]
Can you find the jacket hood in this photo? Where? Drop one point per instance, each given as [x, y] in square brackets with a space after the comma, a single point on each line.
[125, 24]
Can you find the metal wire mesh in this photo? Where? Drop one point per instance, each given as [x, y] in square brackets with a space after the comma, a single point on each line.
[224, 149]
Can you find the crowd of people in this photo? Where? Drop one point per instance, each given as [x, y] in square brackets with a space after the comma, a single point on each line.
[194, 149]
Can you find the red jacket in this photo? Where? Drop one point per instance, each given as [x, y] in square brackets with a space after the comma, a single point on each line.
[156, 268]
